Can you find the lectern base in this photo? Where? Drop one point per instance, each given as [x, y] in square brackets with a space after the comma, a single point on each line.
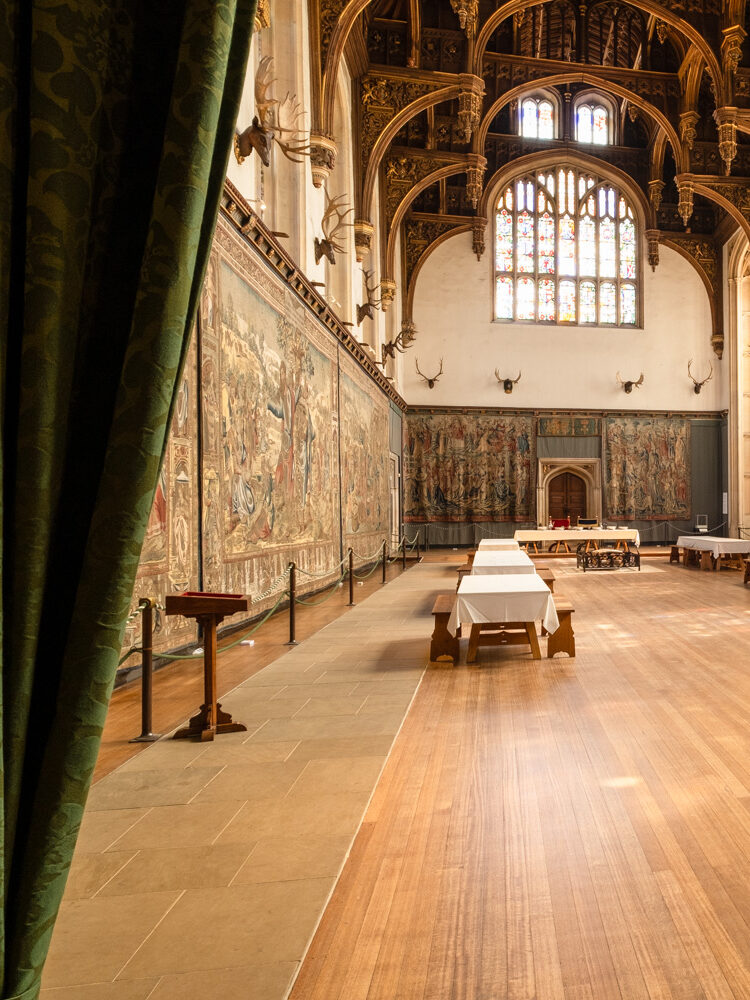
[202, 726]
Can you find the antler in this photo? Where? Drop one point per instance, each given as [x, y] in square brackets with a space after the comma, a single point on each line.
[497, 375]
[416, 361]
[620, 379]
[333, 220]
[695, 380]
[371, 301]
[263, 83]
[640, 380]
[289, 113]
[517, 380]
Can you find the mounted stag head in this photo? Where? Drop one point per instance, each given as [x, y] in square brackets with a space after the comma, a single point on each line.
[697, 386]
[273, 119]
[373, 301]
[406, 335]
[332, 224]
[507, 383]
[430, 381]
[628, 386]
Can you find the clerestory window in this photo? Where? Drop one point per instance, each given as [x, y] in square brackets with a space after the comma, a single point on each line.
[593, 124]
[537, 118]
[566, 251]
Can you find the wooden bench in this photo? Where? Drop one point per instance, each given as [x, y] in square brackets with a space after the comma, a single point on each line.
[462, 572]
[546, 574]
[674, 555]
[747, 571]
[443, 643]
[563, 640]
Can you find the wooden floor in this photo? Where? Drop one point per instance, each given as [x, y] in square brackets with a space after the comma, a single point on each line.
[574, 829]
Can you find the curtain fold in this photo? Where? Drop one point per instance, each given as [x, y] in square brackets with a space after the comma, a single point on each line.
[116, 120]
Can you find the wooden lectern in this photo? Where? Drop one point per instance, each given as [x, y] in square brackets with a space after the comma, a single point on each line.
[208, 610]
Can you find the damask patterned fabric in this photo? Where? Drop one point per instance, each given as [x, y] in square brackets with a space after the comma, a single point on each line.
[464, 467]
[647, 468]
[116, 121]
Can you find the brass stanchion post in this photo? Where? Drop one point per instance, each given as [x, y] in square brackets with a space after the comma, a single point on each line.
[147, 673]
[351, 577]
[385, 559]
[292, 603]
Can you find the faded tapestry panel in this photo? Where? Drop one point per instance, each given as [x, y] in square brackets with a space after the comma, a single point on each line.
[568, 427]
[169, 557]
[468, 467]
[364, 429]
[647, 468]
[270, 468]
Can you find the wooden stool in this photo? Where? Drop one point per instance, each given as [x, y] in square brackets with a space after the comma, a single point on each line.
[443, 643]
[674, 555]
[563, 640]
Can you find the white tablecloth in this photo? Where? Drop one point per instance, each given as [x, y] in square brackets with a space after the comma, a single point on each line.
[504, 597]
[497, 544]
[501, 561]
[577, 535]
[716, 546]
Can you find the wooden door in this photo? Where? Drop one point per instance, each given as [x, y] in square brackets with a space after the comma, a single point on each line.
[567, 497]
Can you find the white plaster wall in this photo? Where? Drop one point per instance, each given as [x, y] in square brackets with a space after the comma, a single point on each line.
[342, 277]
[563, 367]
[246, 176]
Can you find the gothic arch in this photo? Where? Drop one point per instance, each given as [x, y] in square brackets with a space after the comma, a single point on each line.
[409, 297]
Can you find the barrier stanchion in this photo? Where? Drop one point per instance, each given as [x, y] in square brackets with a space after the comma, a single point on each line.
[385, 559]
[403, 552]
[292, 603]
[147, 673]
[419, 558]
[351, 578]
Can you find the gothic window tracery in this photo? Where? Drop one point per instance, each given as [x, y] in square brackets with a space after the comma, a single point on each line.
[566, 251]
[537, 117]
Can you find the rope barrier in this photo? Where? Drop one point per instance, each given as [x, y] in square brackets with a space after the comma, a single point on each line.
[269, 591]
[316, 604]
[321, 576]
[367, 559]
[367, 575]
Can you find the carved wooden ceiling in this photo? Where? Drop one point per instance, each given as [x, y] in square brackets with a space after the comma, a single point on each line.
[437, 84]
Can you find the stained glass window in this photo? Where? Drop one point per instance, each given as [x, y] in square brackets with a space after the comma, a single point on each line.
[592, 124]
[537, 118]
[566, 251]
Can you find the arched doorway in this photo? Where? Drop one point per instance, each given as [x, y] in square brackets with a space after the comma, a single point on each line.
[567, 497]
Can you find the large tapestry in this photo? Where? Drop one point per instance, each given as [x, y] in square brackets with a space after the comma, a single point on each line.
[647, 470]
[270, 449]
[364, 460]
[468, 467]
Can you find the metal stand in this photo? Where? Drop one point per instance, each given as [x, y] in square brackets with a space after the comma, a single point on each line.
[147, 674]
[292, 605]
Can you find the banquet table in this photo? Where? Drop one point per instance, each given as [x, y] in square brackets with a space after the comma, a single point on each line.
[533, 536]
[503, 609]
[501, 561]
[712, 548]
[497, 544]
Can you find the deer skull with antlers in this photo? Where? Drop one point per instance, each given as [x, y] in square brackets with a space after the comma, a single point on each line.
[373, 301]
[332, 224]
[697, 386]
[406, 335]
[430, 381]
[274, 119]
[507, 383]
[628, 386]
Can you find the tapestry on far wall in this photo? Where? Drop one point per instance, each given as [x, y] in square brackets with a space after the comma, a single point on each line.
[647, 468]
[468, 467]
[364, 462]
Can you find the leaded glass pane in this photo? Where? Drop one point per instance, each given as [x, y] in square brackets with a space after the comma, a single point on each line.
[504, 298]
[607, 248]
[546, 300]
[587, 302]
[587, 246]
[504, 250]
[571, 192]
[521, 196]
[546, 120]
[546, 244]
[584, 129]
[525, 289]
[627, 249]
[566, 308]
[567, 252]
[529, 119]
[607, 302]
[525, 242]
[600, 131]
[627, 304]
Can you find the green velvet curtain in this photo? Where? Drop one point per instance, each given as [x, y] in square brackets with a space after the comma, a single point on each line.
[116, 119]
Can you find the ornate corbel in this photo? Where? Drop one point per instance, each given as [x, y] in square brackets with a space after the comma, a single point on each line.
[655, 189]
[652, 238]
[731, 48]
[387, 292]
[478, 227]
[262, 15]
[471, 95]
[323, 151]
[662, 31]
[726, 120]
[686, 191]
[688, 121]
[467, 12]
[363, 234]
[475, 178]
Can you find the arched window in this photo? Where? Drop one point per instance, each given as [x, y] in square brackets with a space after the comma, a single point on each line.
[536, 118]
[593, 123]
[565, 251]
